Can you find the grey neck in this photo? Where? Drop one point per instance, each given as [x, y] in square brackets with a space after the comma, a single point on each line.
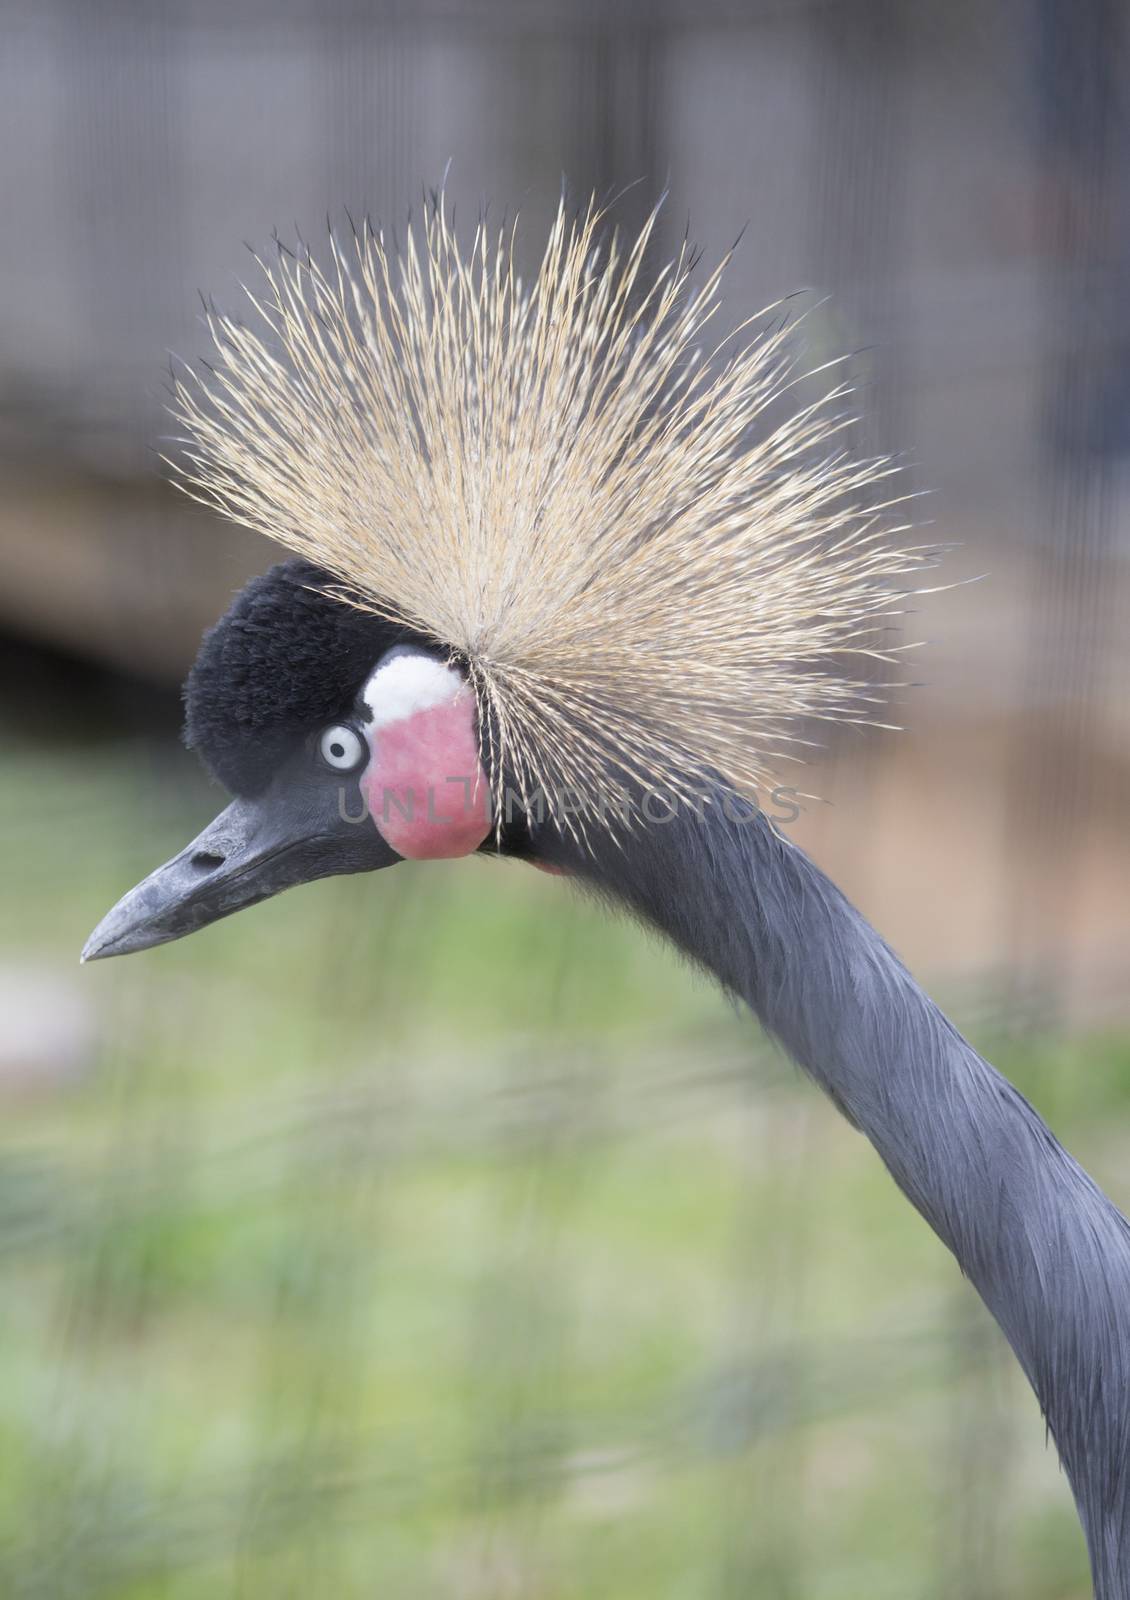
[1047, 1251]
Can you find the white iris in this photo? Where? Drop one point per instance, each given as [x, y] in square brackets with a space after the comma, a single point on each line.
[341, 747]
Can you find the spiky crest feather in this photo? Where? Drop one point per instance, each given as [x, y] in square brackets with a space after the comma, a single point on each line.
[553, 483]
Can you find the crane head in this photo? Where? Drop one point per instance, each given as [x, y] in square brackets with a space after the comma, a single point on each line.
[548, 536]
[346, 742]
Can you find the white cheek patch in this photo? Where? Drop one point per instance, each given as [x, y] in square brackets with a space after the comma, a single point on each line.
[410, 683]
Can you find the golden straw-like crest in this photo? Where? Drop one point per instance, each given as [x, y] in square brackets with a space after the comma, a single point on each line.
[636, 558]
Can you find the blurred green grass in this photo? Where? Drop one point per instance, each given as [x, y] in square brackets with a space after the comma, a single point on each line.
[435, 1234]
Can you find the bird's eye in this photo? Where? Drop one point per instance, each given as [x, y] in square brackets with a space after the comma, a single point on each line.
[341, 747]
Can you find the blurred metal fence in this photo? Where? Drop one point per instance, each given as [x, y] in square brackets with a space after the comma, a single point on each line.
[246, 1172]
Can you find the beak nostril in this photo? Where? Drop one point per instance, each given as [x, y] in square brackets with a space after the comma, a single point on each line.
[206, 860]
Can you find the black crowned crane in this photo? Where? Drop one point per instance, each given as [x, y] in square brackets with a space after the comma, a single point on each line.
[563, 591]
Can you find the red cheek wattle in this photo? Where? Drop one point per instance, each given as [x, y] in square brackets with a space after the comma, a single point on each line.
[425, 786]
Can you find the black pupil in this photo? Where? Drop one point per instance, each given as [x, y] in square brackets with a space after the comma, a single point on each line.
[337, 749]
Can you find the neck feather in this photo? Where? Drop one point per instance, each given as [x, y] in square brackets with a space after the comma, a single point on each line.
[1047, 1251]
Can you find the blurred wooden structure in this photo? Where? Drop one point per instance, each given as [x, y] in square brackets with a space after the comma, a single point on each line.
[921, 165]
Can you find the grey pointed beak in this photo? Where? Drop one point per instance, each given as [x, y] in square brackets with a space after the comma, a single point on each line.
[254, 849]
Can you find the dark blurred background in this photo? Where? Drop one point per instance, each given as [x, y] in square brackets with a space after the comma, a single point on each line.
[435, 1236]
